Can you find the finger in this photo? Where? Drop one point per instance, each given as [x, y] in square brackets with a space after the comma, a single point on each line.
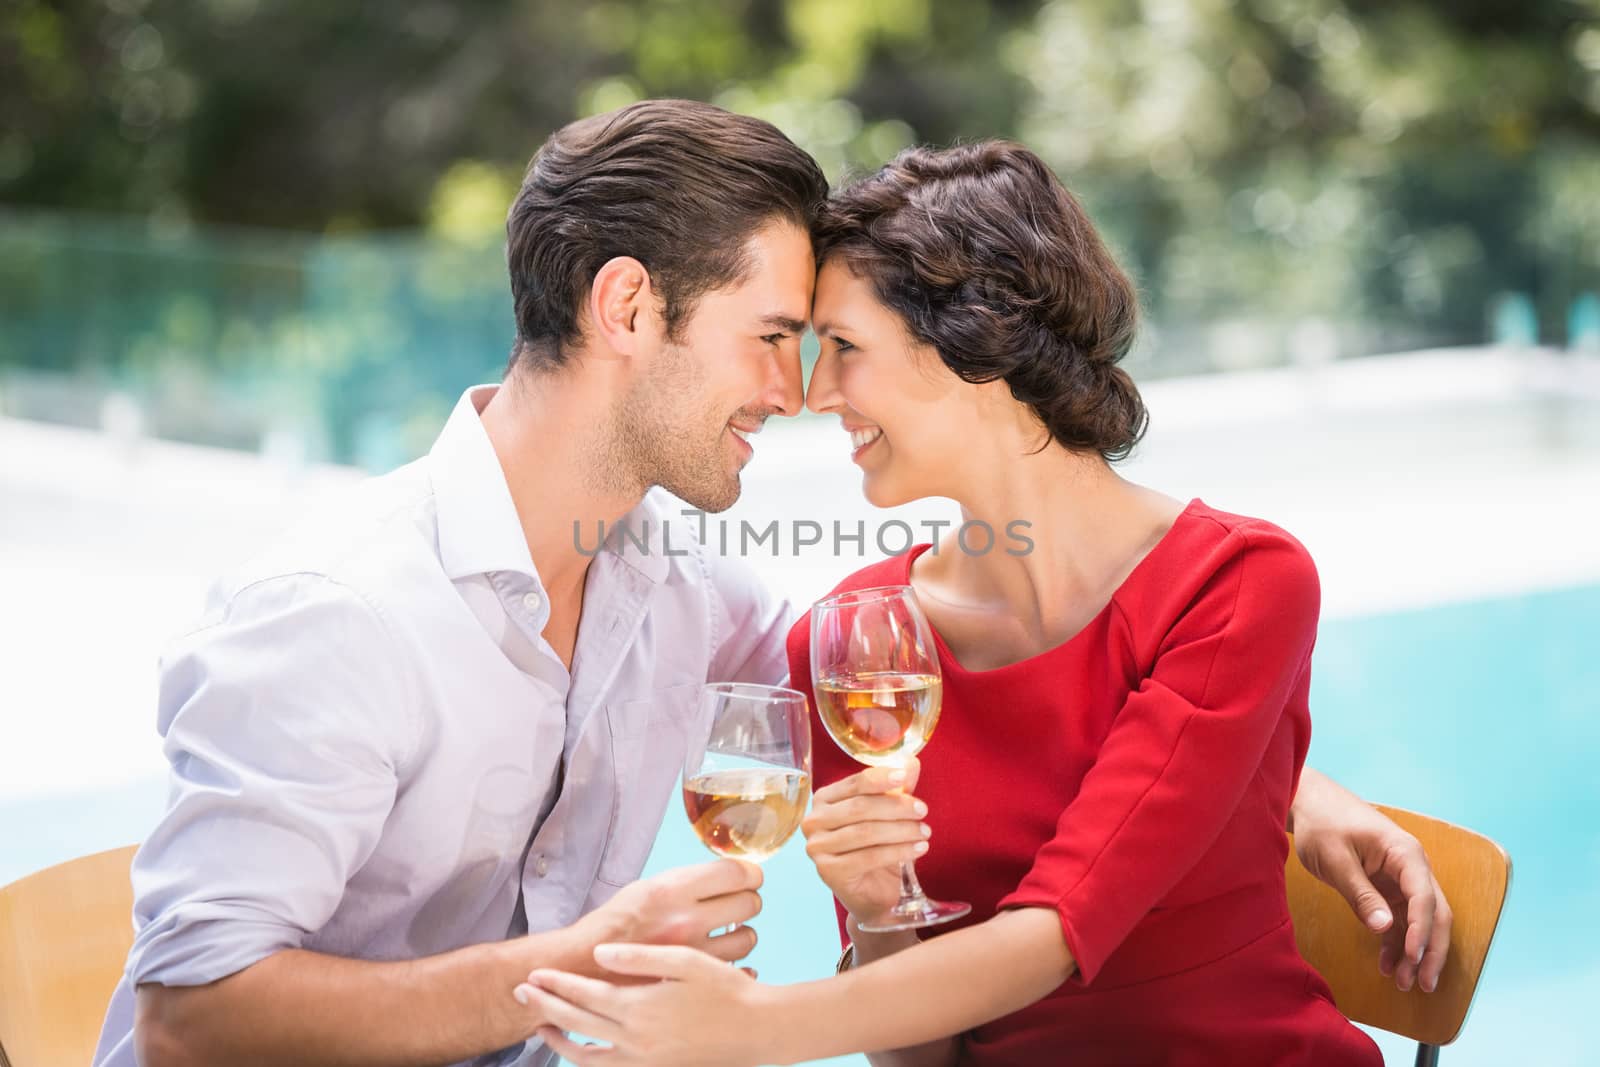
[1405, 975]
[583, 1055]
[1404, 969]
[717, 878]
[736, 944]
[871, 781]
[726, 911]
[1342, 869]
[1406, 965]
[1392, 956]
[566, 1015]
[1433, 959]
[590, 994]
[839, 869]
[1393, 942]
[1411, 872]
[848, 839]
[913, 768]
[886, 807]
[659, 961]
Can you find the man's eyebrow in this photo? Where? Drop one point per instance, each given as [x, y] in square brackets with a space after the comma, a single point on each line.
[786, 322]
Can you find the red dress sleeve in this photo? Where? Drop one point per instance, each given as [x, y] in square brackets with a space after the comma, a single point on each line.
[1184, 746]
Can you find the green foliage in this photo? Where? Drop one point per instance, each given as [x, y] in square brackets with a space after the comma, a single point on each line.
[1284, 177]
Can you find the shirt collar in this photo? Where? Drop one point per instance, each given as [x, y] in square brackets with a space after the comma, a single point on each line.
[479, 530]
[646, 523]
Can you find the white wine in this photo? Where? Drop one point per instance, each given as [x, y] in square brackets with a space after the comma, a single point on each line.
[747, 813]
[880, 718]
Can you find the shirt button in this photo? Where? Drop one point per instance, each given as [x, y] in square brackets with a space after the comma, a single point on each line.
[533, 602]
[541, 867]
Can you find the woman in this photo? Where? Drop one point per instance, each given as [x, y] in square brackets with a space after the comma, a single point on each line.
[1125, 705]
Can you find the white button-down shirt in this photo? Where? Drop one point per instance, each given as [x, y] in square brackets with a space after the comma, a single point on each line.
[376, 755]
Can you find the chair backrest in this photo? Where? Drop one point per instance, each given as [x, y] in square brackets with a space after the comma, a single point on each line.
[65, 933]
[1474, 873]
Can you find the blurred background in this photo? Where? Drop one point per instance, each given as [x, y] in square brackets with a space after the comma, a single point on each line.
[250, 251]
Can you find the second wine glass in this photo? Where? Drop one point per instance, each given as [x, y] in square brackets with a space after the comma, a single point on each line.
[875, 670]
[747, 776]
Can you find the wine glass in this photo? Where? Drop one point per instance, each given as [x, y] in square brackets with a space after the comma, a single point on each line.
[747, 775]
[876, 674]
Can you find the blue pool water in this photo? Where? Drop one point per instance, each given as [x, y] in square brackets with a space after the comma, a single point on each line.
[1486, 714]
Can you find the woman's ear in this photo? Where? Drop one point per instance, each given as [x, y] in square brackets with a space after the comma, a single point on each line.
[623, 319]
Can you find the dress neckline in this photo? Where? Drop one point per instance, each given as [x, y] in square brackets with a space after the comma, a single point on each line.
[952, 666]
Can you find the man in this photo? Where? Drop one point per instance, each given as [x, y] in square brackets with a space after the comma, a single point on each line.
[424, 745]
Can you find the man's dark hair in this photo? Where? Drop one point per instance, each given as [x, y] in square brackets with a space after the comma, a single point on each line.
[679, 185]
[989, 259]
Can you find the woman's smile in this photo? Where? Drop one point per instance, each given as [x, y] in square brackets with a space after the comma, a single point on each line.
[862, 439]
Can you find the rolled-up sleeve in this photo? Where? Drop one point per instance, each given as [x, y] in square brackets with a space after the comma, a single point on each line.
[287, 720]
[1182, 751]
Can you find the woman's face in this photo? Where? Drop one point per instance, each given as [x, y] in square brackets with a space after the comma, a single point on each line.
[908, 415]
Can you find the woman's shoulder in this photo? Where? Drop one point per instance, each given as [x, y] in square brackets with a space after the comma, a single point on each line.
[1240, 533]
[1216, 555]
[891, 571]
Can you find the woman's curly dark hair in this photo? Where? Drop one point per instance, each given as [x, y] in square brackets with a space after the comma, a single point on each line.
[989, 259]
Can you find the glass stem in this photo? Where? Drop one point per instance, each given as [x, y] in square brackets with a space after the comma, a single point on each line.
[910, 888]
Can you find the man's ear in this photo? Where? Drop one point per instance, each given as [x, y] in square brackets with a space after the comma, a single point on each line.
[622, 311]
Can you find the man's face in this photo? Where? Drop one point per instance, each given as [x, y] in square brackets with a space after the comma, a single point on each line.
[736, 361]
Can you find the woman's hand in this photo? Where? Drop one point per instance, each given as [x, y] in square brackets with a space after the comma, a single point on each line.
[860, 830]
[1383, 873]
[701, 1012]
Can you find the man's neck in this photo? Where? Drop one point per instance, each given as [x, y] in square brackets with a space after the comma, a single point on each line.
[550, 433]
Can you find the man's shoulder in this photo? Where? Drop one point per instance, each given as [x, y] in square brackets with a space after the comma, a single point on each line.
[380, 534]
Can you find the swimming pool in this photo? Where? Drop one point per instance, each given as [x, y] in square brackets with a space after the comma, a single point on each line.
[1485, 713]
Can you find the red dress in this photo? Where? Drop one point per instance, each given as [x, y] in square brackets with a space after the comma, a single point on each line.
[1136, 780]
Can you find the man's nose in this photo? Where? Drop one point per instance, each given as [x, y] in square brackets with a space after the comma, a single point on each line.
[784, 391]
[822, 395]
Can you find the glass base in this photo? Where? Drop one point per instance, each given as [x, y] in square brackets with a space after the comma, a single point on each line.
[914, 914]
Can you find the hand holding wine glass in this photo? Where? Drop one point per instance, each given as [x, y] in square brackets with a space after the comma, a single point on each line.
[876, 674]
[860, 830]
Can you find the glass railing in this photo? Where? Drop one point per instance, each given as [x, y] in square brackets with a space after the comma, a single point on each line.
[352, 348]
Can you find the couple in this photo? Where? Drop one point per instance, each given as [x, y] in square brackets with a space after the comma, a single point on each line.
[420, 748]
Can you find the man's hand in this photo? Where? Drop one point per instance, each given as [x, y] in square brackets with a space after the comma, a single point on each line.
[684, 907]
[860, 830]
[1381, 870]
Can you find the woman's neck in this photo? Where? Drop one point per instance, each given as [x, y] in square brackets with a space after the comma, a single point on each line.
[1086, 530]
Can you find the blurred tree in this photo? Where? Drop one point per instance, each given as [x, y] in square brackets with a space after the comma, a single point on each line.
[1374, 163]
[308, 115]
[1288, 179]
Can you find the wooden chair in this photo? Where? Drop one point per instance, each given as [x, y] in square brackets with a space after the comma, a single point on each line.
[65, 933]
[1474, 873]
